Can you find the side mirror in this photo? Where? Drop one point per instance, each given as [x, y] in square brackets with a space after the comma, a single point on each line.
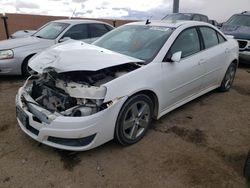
[63, 39]
[176, 57]
[220, 24]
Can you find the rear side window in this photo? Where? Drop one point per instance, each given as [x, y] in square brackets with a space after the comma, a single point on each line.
[77, 32]
[187, 42]
[221, 38]
[209, 36]
[97, 30]
[204, 18]
[108, 27]
[196, 18]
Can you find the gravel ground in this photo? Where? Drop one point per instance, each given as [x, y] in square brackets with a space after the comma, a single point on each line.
[202, 144]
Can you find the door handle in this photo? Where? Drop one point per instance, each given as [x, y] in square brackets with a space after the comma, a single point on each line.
[202, 61]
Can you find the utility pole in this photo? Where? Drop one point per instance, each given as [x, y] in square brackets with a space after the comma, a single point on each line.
[4, 17]
[176, 6]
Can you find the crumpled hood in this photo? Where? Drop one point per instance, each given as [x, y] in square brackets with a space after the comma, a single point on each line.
[239, 32]
[19, 42]
[78, 56]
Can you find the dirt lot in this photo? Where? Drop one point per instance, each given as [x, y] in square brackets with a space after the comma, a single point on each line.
[202, 144]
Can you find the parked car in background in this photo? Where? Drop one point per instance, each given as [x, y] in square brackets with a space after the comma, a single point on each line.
[187, 16]
[84, 95]
[239, 27]
[214, 22]
[22, 33]
[15, 53]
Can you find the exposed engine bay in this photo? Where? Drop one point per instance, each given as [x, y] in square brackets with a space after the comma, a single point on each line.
[76, 93]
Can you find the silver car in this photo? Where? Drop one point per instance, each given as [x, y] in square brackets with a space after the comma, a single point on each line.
[15, 53]
[22, 33]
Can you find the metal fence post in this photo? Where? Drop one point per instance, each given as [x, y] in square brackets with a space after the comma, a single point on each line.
[176, 6]
[4, 17]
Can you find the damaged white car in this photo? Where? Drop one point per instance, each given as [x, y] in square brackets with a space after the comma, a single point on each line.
[84, 95]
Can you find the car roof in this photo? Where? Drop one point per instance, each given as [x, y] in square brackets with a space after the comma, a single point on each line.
[245, 13]
[188, 13]
[77, 21]
[170, 23]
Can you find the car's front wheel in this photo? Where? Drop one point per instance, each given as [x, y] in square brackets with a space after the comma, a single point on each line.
[228, 79]
[134, 119]
[25, 68]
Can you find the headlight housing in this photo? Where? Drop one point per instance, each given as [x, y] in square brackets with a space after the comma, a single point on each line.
[6, 54]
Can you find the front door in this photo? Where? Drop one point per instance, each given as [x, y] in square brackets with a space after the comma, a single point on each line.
[183, 79]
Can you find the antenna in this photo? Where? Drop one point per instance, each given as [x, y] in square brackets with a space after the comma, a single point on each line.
[147, 21]
[73, 14]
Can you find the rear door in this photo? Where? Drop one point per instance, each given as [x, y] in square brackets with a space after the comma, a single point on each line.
[215, 55]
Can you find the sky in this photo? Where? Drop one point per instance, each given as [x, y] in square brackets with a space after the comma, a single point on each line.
[219, 10]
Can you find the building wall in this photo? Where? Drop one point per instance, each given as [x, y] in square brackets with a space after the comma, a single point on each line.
[32, 22]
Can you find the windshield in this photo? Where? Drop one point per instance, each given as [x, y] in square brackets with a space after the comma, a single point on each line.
[51, 30]
[142, 42]
[243, 20]
[178, 17]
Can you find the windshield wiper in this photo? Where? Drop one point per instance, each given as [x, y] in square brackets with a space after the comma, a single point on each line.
[38, 36]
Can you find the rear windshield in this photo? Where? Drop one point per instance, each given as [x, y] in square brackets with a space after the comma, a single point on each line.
[178, 17]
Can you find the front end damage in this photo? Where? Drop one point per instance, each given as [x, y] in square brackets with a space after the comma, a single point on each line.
[68, 110]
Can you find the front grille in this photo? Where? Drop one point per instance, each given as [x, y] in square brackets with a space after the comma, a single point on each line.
[75, 142]
[23, 117]
[242, 43]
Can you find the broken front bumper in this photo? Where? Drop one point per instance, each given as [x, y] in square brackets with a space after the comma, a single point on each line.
[69, 133]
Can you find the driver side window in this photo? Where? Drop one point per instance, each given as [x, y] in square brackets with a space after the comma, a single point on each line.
[187, 42]
[77, 32]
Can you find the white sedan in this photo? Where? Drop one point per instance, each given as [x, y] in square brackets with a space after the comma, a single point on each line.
[84, 95]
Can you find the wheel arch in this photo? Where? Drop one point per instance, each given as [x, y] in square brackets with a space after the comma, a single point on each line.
[152, 95]
[236, 62]
[25, 60]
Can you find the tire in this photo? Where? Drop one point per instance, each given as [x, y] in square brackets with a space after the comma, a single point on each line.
[25, 68]
[246, 170]
[133, 120]
[228, 79]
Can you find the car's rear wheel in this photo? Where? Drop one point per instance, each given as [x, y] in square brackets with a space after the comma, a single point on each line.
[228, 79]
[134, 119]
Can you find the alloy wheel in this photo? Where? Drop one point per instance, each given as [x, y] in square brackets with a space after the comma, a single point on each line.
[230, 77]
[136, 120]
